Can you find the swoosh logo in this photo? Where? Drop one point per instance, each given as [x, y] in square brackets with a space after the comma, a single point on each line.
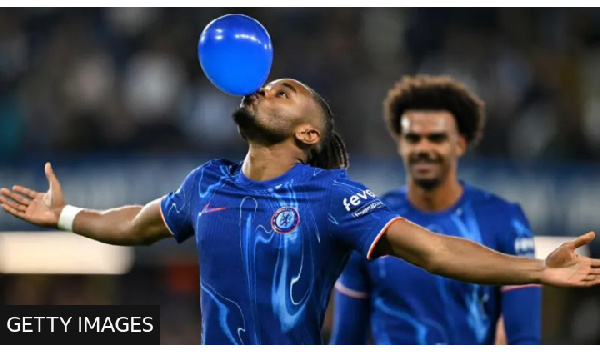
[208, 210]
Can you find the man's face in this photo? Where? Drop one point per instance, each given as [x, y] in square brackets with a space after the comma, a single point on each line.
[430, 145]
[272, 114]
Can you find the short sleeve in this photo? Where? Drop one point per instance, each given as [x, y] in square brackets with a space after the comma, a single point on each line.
[176, 208]
[354, 280]
[357, 217]
[518, 238]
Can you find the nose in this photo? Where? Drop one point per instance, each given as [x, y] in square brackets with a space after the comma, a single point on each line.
[261, 92]
[423, 146]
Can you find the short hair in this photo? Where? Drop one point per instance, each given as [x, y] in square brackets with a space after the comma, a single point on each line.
[424, 92]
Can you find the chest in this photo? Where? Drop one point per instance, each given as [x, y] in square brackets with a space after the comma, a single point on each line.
[396, 277]
[263, 227]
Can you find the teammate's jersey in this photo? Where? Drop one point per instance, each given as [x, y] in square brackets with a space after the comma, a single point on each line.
[411, 306]
[271, 251]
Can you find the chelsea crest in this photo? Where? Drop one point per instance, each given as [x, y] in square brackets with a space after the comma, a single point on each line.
[285, 220]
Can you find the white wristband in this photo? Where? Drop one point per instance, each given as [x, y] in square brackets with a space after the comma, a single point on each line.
[67, 216]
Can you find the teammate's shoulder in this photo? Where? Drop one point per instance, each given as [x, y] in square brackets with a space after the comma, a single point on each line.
[486, 199]
[395, 194]
[395, 198]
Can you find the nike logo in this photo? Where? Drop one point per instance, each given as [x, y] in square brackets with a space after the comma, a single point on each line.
[207, 210]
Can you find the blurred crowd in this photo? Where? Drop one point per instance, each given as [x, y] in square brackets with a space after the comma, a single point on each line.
[76, 81]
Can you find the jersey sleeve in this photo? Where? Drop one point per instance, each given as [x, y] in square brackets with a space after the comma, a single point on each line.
[176, 208]
[357, 217]
[521, 305]
[351, 303]
[354, 280]
[518, 237]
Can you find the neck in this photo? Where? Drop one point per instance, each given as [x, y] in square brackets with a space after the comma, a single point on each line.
[267, 162]
[443, 197]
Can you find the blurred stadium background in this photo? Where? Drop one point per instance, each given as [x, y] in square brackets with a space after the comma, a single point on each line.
[111, 96]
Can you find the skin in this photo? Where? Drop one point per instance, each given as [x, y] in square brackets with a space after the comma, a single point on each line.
[291, 122]
[430, 146]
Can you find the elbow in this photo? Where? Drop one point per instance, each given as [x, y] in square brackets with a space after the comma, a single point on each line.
[133, 235]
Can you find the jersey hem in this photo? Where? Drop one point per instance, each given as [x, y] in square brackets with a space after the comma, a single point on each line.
[349, 292]
[164, 219]
[516, 287]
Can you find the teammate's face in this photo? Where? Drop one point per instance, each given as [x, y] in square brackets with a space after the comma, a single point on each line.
[276, 111]
[430, 145]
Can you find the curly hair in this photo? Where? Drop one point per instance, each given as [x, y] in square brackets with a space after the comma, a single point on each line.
[424, 92]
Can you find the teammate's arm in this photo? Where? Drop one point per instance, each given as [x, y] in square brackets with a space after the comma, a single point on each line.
[126, 226]
[521, 305]
[468, 261]
[351, 304]
[351, 322]
[521, 309]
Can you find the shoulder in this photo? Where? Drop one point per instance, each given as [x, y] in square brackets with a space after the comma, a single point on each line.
[220, 165]
[212, 170]
[395, 198]
[483, 199]
[326, 178]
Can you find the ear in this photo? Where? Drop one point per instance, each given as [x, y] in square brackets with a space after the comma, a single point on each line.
[307, 134]
[462, 145]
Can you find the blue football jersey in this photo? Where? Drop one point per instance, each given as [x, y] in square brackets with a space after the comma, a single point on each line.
[271, 251]
[408, 305]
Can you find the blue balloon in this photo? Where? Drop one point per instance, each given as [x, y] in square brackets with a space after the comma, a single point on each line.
[236, 54]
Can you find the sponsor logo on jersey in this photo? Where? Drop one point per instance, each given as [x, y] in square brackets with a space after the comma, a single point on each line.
[356, 199]
[367, 209]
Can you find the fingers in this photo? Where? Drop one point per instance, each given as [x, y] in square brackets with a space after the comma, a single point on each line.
[25, 191]
[15, 197]
[52, 180]
[12, 200]
[13, 205]
[583, 240]
[589, 282]
[595, 263]
[13, 211]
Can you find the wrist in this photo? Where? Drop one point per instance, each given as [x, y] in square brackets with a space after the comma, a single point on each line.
[539, 275]
[67, 217]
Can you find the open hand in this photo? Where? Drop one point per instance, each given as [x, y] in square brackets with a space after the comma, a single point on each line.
[565, 268]
[42, 209]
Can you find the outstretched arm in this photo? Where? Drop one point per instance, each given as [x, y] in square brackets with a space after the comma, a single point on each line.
[468, 261]
[126, 226]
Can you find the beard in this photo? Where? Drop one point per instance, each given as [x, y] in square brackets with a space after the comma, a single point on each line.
[428, 184]
[253, 130]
